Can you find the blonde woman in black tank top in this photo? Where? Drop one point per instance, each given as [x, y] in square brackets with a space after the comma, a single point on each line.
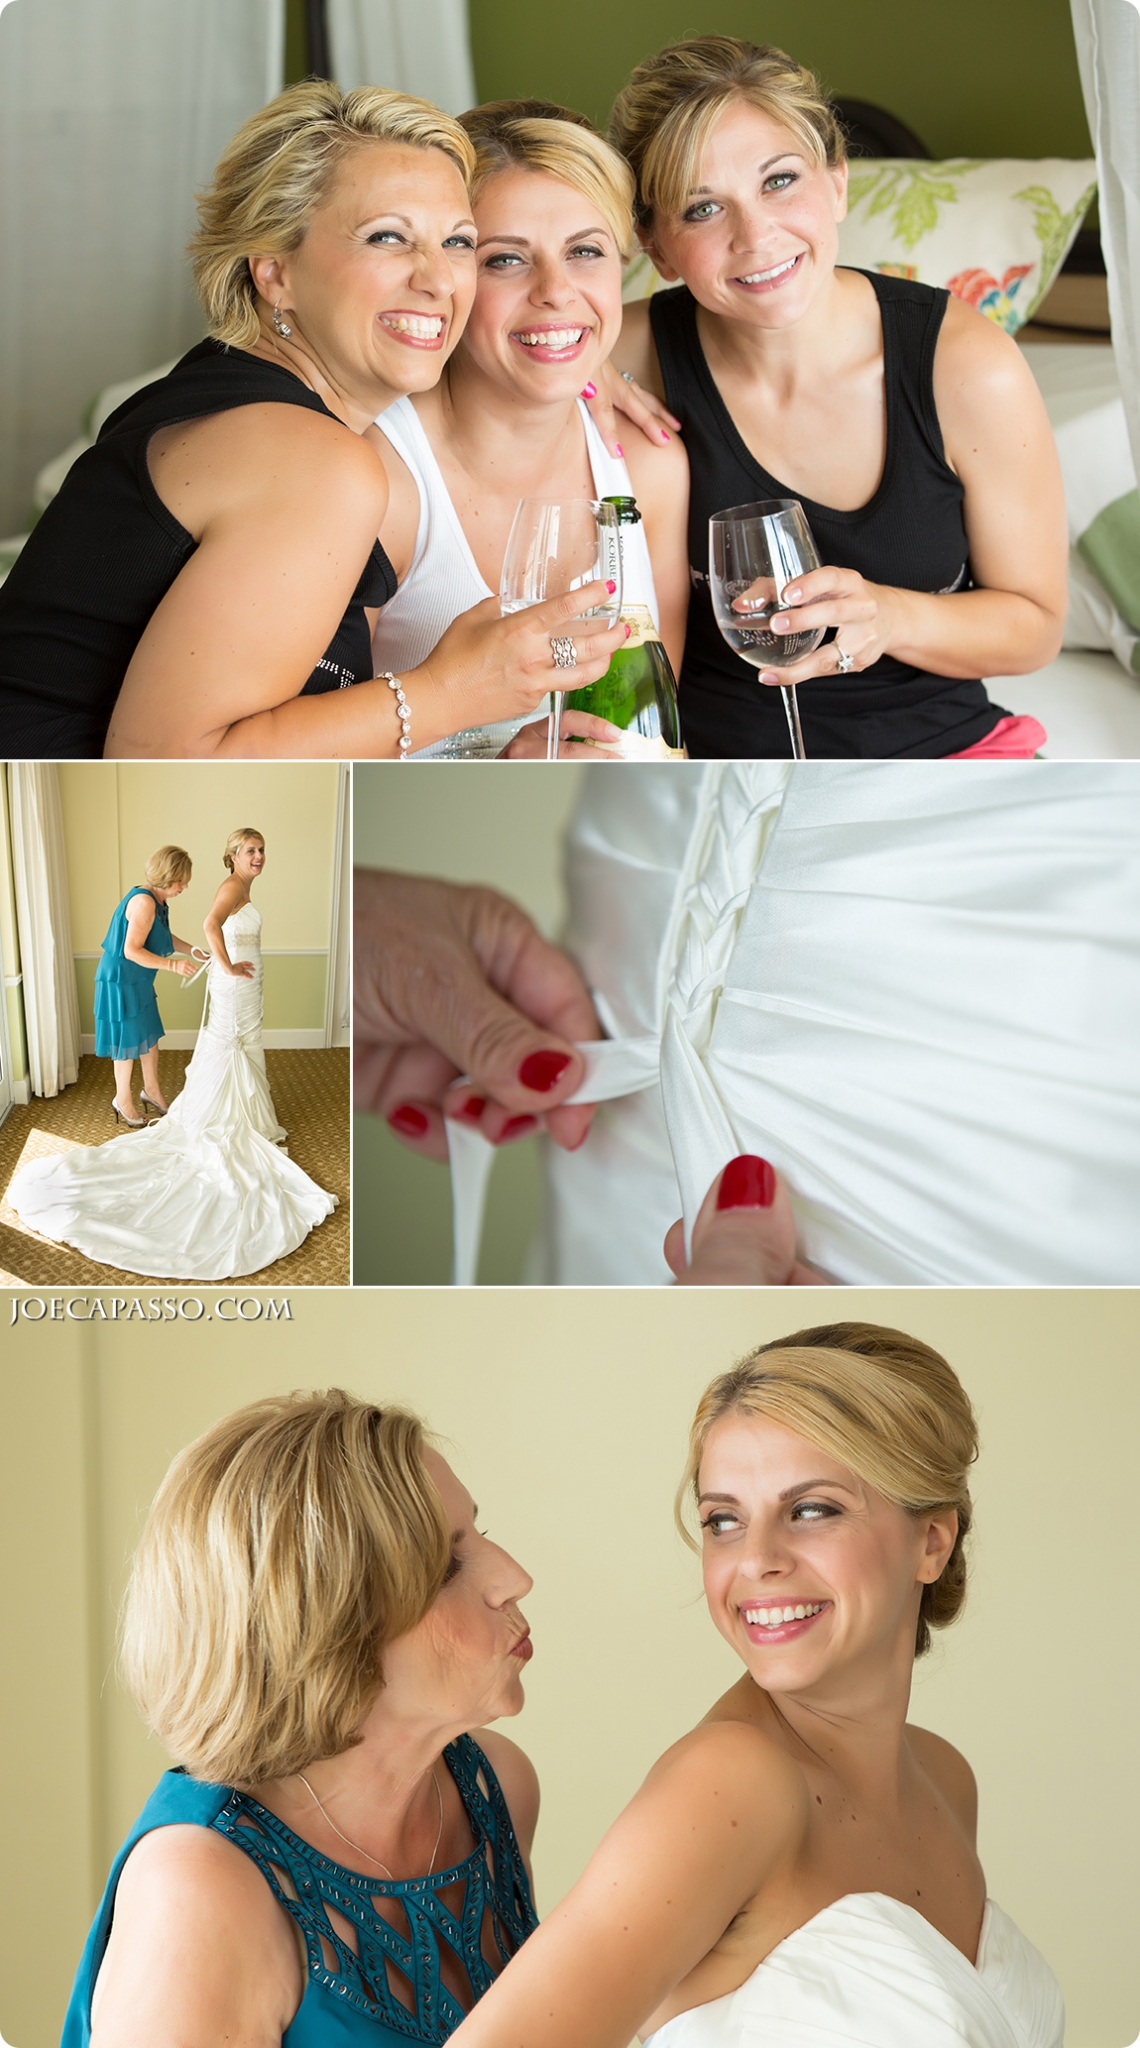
[909, 426]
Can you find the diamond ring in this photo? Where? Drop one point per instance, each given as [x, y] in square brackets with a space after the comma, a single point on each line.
[628, 378]
[564, 654]
[844, 662]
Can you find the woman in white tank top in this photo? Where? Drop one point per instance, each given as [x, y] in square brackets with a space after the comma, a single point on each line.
[552, 207]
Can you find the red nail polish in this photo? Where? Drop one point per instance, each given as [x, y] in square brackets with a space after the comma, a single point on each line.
[409, 1121]
[611, 587]
[472, 1109]
[589, 390]
[515, 1128]
[540, 1070]
[747, 1183]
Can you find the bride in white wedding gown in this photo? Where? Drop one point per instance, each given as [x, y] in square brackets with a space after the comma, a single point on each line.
[206, 1193]
[801, 1868]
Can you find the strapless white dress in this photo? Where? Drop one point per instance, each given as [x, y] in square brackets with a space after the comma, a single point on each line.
[913, 986]
[869, 1972]
[207, 1193]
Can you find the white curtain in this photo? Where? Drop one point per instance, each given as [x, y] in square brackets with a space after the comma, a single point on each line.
[111, 112]
[43, 921]
[1107, 34]
[420, 46]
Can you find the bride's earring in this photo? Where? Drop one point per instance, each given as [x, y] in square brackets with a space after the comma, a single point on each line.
[282, 326]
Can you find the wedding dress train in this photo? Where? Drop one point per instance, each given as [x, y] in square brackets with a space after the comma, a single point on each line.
[207, 1193]
[869, 1969]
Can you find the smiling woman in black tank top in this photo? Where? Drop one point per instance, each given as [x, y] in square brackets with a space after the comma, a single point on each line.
[199, 586]
[909, 427]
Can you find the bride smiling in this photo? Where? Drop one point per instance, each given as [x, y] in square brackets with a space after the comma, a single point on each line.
[802, 1866]
[207, 1193]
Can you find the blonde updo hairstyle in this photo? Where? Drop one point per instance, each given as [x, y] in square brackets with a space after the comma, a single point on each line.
[662, 118]
[885, 1405]
[169, 866]
[284, 1549]
[237, 840]
[539, 135]
[279, 168]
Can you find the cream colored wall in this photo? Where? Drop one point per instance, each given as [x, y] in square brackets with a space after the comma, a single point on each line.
[115, 814]
[439, 819]
[569, 1419]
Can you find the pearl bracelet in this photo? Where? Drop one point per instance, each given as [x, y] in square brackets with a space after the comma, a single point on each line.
[402, 711]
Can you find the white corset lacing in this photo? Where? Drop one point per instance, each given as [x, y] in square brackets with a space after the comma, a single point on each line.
[207, 1193]
[870, 1972]
[916, 991]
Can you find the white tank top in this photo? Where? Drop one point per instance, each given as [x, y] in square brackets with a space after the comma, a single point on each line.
[444, 579]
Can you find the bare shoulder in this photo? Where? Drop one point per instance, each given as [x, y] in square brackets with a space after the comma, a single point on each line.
[726, 1760]
[192, 1868]
[228, 897]
[518, 1778]
[291, 458]
[400, 526]
[949, 1772]
[977, 364]
[657, 469]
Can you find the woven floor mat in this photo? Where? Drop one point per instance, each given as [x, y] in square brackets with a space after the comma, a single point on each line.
[311, 1096]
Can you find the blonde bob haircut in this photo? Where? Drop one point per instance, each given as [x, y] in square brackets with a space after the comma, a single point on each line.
[237, 840]
[538, 135]
[284, 1549]
[169, 866]
[662, 118]
[884, 1404]
[279, 168]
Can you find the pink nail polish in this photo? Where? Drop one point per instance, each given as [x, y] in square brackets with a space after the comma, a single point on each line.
[620, 449]
[589, 390]
[611, 587]
[628, 631]
[665, 436]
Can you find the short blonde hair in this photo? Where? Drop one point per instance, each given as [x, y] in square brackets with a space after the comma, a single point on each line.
[169, 866]
[884, 1404]
[279, 168]
[538, 135]
[284, 1549]
[662, 118]
[236, 841]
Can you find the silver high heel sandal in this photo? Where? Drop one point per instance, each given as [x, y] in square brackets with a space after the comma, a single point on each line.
[133, 1123]
[144, 1097]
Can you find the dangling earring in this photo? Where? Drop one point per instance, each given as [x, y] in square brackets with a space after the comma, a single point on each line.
[282, 326]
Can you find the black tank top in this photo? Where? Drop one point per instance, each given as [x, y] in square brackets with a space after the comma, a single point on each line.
[106, 551]
[910, 534]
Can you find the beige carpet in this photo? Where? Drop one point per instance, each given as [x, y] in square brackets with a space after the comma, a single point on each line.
[311, 1095]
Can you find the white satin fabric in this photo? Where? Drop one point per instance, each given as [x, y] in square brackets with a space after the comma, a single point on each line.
[870, 1972]
[207, 1193]
[915, 989]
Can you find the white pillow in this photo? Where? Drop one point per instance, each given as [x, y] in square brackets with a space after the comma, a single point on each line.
[994, 232]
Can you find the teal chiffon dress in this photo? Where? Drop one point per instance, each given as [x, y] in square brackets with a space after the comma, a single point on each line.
[127, 1022]
[348, 2001]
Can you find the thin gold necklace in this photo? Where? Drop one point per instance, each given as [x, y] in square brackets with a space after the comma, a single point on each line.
[364, 1852]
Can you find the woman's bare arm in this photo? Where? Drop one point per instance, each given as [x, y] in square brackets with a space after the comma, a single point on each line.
[199, 1951]
[140, 918]
[715, 1818]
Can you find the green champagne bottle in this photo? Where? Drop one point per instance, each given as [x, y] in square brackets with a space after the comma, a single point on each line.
[638, 691]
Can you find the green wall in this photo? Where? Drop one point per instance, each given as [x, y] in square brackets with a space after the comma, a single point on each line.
[971, 77]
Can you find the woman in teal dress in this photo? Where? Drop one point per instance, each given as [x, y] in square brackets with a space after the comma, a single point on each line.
[313, 1629]
[139, 941]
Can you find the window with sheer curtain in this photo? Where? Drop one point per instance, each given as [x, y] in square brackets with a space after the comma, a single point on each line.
[1107, 34]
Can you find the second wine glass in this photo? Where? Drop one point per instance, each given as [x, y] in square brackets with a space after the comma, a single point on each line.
[555, 546]
[755, 551]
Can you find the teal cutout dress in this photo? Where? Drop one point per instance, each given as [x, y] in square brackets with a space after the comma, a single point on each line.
[127, 1022]
[349, 2003]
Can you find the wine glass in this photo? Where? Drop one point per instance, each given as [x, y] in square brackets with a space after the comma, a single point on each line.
[755, 551]
[557, 545]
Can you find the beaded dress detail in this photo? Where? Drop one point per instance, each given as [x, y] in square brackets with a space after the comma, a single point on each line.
[495, 1889]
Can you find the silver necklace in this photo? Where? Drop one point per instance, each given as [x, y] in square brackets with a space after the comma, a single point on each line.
[364, 1852]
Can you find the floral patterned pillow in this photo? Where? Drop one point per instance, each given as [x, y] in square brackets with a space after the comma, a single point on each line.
[994, 231]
